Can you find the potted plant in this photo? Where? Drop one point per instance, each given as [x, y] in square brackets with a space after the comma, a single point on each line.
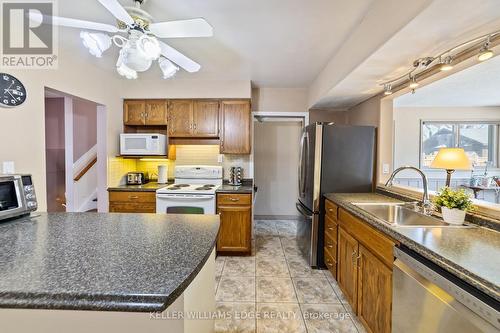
[454, 204]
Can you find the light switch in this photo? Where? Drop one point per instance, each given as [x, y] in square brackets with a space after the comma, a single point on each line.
[385, 168]
[8, 167]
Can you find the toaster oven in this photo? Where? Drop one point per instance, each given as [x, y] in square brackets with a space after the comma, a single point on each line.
[17, 196]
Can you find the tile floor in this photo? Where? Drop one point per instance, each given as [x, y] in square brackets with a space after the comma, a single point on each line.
[274, 290]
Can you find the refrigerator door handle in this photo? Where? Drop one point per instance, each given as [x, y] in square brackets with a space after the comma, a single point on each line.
[304, 152]
[302, 211]
[301, 156]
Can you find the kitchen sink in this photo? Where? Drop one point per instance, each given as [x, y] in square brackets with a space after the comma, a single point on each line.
[400, 216]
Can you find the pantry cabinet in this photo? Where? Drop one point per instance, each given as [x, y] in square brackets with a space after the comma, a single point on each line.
[235, 232]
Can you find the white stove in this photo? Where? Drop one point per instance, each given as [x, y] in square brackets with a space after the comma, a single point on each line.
[193, 191]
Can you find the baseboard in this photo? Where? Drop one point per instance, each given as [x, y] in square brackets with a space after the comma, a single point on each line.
[277, 217]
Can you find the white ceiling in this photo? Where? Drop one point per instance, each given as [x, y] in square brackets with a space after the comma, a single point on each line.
[478, 85]
[443, 24]
[279, 43]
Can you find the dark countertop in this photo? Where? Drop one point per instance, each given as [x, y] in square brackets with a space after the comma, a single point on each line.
[471, 254]
[243, 189]
[152, 187]
[99, 261]
[149, 187]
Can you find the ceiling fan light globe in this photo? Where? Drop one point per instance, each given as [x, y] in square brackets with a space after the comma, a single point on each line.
[167, 67]
[96, 43]
[149, 47]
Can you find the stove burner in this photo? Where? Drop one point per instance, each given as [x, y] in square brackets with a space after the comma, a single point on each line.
[173, 188]
[180, 185]
[209, 185]
[203, 188]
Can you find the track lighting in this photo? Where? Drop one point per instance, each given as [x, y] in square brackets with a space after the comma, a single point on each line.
[443, 61]
[387, 89]
[445, 64]
[413, 83]
[485, 53]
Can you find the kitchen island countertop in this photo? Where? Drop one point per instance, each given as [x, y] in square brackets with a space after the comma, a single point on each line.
[99, 261]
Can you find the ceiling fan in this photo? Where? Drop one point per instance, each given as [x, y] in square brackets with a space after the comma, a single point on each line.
[141, 46]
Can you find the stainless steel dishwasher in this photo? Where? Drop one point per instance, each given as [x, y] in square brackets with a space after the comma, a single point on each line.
[428, 299]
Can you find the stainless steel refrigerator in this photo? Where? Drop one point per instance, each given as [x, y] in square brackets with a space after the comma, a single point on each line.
[333, 159]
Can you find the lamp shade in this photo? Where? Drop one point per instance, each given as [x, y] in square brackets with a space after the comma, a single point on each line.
[451, 159]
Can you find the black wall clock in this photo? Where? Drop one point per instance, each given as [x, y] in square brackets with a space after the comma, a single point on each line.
[12, 91]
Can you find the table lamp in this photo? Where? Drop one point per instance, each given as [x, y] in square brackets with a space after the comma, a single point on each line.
[451, 159]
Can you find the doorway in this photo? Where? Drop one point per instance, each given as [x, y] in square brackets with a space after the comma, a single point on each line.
[276, 160]
[75, 136]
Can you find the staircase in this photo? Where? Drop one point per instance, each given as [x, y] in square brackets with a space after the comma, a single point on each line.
[85, 182]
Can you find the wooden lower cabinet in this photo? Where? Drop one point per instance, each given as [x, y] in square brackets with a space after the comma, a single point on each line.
[235, 231]
[347, 271]
[132, 202]
[374, 292]
[364, 270]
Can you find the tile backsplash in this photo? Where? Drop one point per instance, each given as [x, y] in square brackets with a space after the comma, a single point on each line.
[185, 155]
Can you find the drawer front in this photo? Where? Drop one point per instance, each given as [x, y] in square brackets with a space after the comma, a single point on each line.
[331, 210]
[331, 263]
[234, 199]
[331, 227]
[378, 243]
[123, 207]
[133, 197]
[331, 246]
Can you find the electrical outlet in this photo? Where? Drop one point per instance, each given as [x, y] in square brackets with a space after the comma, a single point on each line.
[385, 168]
[220, 158]
[8, 167]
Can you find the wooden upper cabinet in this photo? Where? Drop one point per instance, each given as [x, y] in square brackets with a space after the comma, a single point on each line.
[235, 127]
[374, 292]
[156, 112]
[180, 122]
[206, 119]
[134, 112]
[347, 271]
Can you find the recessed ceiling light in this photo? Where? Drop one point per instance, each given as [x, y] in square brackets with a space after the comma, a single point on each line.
[485, 53]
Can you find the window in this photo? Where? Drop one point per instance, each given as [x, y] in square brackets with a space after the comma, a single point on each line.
[478, 139]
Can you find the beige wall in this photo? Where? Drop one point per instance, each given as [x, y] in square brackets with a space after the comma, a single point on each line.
[276, 163]
[279, 99]
[319, 115]
[84, 127]
[366, 113]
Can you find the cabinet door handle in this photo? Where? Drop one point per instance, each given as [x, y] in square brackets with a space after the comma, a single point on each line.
[234, 199]
[330, 246]
[133, 197]
[331, 228]
[329, 263]
[330, 210]
[194, 126]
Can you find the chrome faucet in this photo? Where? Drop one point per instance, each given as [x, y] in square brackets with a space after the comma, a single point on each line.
[426, 203]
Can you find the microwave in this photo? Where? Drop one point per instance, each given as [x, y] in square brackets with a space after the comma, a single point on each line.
[143, 144]
[17, 196]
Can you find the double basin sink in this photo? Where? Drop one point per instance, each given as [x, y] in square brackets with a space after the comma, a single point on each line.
[398, 215]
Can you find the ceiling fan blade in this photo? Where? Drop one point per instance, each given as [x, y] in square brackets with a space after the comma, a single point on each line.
[197, 27]
[117, 10]
[179, 58]
[73, 23]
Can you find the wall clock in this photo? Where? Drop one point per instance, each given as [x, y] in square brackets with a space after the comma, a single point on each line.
[12, 91]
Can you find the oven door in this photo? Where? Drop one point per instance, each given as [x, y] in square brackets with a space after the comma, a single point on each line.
[11, 200]
[185, 204]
